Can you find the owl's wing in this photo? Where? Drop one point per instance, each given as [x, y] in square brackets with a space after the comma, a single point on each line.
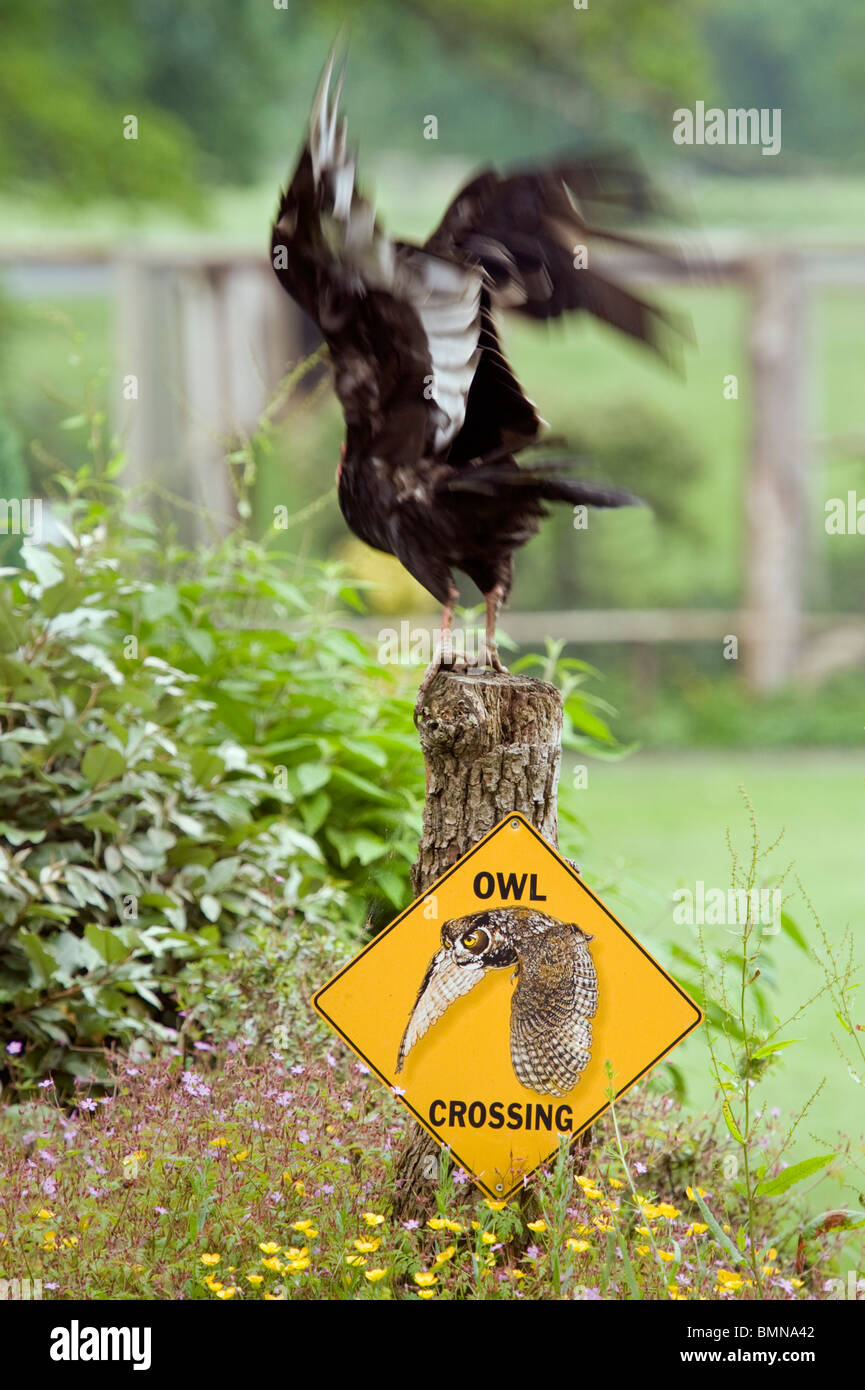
[443, 982]
[555, 999]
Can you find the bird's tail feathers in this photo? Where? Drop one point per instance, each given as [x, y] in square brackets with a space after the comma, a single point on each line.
[547, 481]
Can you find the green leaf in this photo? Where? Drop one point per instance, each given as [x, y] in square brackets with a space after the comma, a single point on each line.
[211, 907]
[731, 1123]
[108, 944]
[159, 603]
[42, 564]
[720, 1236]
[102, 764]
[42, 961]
[789, 927]
[797, 1172]
[769, 1048]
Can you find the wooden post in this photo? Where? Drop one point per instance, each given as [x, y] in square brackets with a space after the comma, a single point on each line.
[778, 483]
[491, 745]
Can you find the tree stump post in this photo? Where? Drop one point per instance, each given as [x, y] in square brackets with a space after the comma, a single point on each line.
[491, 745]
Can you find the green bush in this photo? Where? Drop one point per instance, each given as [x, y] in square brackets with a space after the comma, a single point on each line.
[191, 748]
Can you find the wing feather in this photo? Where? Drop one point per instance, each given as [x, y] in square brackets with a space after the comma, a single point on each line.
[444, 981]
[551, 1011]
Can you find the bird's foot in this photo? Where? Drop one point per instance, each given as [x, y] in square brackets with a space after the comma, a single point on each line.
[489, 658]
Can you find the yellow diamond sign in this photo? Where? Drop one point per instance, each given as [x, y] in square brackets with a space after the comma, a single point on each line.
[494, 1004]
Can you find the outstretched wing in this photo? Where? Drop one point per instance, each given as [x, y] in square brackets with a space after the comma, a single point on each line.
[523, 230]
[402, 324]
[553, 1004]
[444, 981]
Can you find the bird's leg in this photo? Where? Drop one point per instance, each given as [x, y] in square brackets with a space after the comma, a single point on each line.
[493, 600]
[445, 655]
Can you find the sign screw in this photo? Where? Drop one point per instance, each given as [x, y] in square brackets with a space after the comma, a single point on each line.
[515, 825]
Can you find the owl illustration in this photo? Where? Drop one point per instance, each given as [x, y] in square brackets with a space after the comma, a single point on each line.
[555, 997]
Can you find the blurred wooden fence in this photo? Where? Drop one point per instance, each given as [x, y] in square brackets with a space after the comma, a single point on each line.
[202, 341]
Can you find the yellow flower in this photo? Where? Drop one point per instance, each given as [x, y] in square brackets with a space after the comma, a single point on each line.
[240, 1155]
[579, 1246]
[44, 1214]
[355, 1260]
[68, 1241]
[488, 1238]
[210, 1259]
[424, 1280]
[295, 1252]
[582, 1229]
[592, 1194]
[609, 1205]
[726, 1228]
[286, 1177]
[476, 1225]
[538, 1225]
[456, 1226]
[584, 1182]
[494, 1206]
[226, 1293]
[697, 1228]
[729, 1279]
[270, 1247]
[643, 1249]
[643, 1230]
[650, 1211]
[255, 1279]
[771, 1253]
[517, 1274]
[689, 1192]
[274, 1264]
[274, 1298]
[675, 1293]
[616, 1182]
[50, 1240]
[297, 1266]
[444, 1255]
[770, 1269]
[426, 1293]
[601, 1223]
[436, 1223]
[213, 1283]
[797, 1283]
[671, 1212]
[373, 1275]
[305, 1226]
[666, 1255]
[372, 1218]
[299, 1188]
[218, 1143]
[368, 1247]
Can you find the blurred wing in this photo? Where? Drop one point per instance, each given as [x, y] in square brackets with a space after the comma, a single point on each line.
[402, 325]
[522, 229]
[555, 999]
[443, 982]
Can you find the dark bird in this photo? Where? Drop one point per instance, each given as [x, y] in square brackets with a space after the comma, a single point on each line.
[434, 414]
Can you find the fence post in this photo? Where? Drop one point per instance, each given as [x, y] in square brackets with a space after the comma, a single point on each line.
[778, 482]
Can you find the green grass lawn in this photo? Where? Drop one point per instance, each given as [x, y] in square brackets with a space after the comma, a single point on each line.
[656, 823]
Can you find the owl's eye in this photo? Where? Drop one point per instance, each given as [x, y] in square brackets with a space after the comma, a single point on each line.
[475, 941]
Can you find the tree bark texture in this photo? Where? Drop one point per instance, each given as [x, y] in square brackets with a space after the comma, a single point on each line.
[491, 745]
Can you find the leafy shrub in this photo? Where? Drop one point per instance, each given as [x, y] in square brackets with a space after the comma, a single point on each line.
[191, 747]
